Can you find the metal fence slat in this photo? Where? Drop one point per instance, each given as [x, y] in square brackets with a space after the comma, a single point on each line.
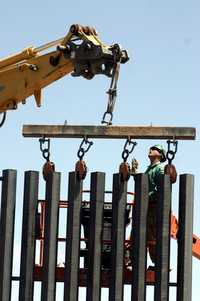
[28, 236]
[73, 238]
[7, 220]
[185, 234]
[50, 240]
[119, 200]
[163, 215]
[97, 188]
[139, 237]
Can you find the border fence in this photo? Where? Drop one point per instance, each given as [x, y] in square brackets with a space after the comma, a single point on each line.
[94, 275]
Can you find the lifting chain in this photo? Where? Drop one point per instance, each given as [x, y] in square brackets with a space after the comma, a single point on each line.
[170, 169]
[48, 167]
[171, 153]
[112, 92]
[124, 168]
[80, 167]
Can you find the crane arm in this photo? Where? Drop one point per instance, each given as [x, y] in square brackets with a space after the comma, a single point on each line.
[26, 79]
[80, 52]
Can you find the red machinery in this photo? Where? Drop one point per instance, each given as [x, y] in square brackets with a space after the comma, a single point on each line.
[150, 275]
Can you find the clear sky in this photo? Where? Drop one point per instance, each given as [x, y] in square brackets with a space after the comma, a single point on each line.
[158, 86]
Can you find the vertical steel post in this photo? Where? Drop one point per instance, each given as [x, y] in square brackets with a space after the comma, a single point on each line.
[28, 236]
[97, 188]
[139, 237]
[163, 216]
[73, 238]
[7, 221]
[50, 237]
[119, 201]
[185, 234]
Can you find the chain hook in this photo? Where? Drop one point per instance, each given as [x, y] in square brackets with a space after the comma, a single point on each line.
[81, 152]
[128, 149]
[110, 118]
[124, 168]
[171, 152]
[45, 150]
[112, 92]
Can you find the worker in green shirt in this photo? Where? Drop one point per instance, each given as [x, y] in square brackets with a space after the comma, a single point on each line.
[157, 156]
[156, 168]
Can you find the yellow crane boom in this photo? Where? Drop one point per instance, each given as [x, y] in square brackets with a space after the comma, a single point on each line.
[80, 52]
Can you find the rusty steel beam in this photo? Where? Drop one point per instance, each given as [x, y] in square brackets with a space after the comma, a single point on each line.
[109, 132]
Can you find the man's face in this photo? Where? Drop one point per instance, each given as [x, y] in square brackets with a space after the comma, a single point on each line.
[154, 155]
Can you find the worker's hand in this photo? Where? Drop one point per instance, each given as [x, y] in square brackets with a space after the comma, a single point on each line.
[127, 258]
[134, 166]
[170, 170]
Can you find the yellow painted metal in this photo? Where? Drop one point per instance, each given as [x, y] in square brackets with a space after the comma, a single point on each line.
[13, 59]
[28, 72]
[38, 96]
[91, 36]
[20, 81]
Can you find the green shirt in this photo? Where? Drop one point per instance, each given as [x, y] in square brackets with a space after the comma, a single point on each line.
[154, 171]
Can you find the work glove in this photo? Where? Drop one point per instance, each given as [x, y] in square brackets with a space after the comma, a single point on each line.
[134, 166]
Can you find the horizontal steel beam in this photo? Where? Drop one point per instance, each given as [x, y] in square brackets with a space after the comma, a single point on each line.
[109, 132]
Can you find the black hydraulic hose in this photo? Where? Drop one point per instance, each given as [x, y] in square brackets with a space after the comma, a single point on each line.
[3, 119]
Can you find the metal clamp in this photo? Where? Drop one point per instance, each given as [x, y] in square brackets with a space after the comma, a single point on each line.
[105, 115]
[112, 95]
[171, 152]
[45, 150]
[128, 149]
[81, 152]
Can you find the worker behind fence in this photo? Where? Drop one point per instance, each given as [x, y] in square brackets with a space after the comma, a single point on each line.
[157, 157]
